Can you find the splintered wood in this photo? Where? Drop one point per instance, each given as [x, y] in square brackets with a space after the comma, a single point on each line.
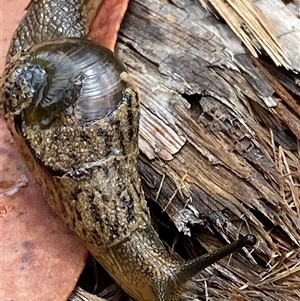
[253, 27]
[219, 134]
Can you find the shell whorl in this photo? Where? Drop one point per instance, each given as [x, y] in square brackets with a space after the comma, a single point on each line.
[68, 72]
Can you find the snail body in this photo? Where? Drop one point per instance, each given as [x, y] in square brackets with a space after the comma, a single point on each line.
[74, 114]
[71, 102]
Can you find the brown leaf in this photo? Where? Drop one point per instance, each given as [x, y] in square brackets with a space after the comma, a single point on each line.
[105, 27]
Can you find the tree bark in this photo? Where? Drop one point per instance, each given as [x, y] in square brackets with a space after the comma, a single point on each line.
[219, 141]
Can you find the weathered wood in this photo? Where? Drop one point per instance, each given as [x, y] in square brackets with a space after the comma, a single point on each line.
[219, 143]
[263, 26]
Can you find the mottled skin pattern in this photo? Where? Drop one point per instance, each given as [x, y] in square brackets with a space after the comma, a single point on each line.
[77, 131]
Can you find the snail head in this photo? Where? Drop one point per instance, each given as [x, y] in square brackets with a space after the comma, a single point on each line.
[21, 82]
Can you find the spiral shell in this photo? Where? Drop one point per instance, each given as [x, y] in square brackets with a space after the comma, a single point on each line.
[65, 76]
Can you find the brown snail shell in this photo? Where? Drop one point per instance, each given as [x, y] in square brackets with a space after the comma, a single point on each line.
[51, 72]
[74, 113]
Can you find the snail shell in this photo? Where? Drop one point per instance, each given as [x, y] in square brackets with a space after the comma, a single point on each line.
[46, 75]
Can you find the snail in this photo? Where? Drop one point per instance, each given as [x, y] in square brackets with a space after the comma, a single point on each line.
[73, 111]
